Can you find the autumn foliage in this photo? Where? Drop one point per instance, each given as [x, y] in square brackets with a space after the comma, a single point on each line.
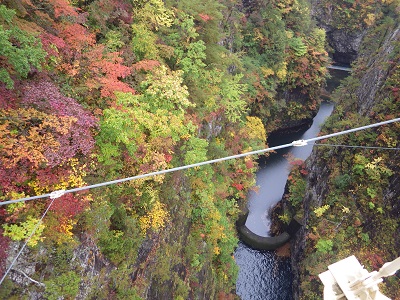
[96, 90]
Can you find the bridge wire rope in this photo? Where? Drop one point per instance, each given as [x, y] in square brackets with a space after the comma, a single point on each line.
[184, 167]
[56, 194]
[358, 147]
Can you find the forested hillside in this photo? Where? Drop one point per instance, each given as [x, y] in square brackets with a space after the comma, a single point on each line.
[349, 197]
[96, 90]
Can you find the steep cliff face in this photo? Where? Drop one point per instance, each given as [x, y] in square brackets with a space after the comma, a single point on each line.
[343, 40]
[351, 204]
[379, 50]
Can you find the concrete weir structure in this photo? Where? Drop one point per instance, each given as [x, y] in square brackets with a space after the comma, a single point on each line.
[259, 242]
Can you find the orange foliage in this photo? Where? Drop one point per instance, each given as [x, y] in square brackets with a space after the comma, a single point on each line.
[145, 65]
[205, 17]
[26, 134]
[76, 36]
[63, 8]
[106, 71]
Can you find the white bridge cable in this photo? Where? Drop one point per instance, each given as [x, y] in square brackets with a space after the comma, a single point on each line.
[294, 143]
[56, 194]
[359, 147]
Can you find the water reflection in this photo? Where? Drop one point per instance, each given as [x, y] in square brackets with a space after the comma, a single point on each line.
[272, 177]
[263, 275]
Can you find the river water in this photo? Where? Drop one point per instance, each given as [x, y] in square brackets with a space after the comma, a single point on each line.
[262, 274]
[274, 171]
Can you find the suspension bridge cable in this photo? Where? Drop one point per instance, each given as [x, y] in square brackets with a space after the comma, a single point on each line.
[27, 240]
[361, 147]
[294, 143]
[56, 194]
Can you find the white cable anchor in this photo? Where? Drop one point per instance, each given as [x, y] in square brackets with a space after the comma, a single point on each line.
[299, 143]
[57, 194]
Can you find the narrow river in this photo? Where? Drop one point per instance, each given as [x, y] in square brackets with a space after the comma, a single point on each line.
[273, 173]
[263, 275]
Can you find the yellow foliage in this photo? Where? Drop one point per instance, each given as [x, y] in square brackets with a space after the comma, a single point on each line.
[282, 72]
[289, 34]
[65, 230]
[373, 164]
[155, 219]
[216, 231]
[67, 227]
[388, 141]
[267, 72]
[258, 36]
[369, 19]
[153, 193]
[321, 210]
[14, 207]
[71, 179]
[154, 14]
[18, 232]
[255, 129]
[215, 215]
[345, 209]
[32, 144]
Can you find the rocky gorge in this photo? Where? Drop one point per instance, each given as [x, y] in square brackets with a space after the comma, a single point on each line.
[91, 91]
[343, 217]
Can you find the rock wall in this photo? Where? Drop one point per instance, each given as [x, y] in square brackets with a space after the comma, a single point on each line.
[373, 83]
[378, 66]
[344, 42]
[316, 190]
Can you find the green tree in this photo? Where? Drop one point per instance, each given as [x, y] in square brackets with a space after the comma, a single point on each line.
[21, 50]
[232, 97]
[64, 285]
[164, 89]
[298, 46]
[324, 246]
[144, 42]
[19, 232]
[191, 60]
[152, 13]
